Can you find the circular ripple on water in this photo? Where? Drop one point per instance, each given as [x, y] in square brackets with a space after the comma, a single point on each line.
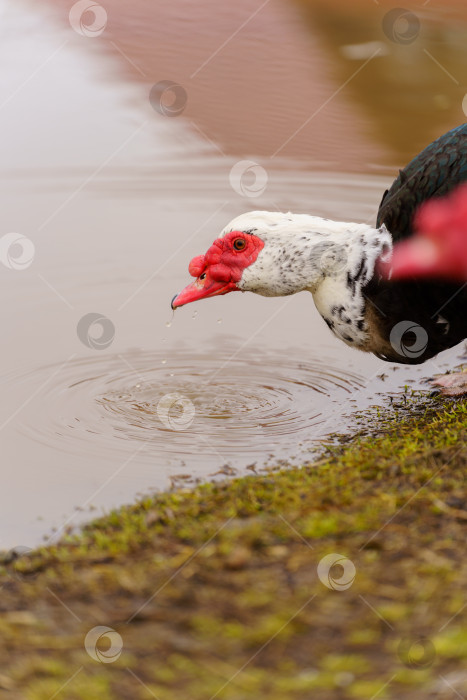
[191, 404]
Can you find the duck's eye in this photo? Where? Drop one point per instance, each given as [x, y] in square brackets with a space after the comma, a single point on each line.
[203, 276]
[239, 243]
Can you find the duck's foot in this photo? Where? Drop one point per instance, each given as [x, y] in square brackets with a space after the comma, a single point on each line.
[454, 384]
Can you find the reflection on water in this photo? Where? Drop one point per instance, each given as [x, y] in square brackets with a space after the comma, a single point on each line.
[336, 82]
[413, 89]
[118, 197]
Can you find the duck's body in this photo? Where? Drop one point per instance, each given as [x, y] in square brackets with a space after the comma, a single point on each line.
[436, 305]
[276, 254]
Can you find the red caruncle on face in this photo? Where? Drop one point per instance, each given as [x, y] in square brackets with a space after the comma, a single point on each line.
[227, 257]
[221, 268]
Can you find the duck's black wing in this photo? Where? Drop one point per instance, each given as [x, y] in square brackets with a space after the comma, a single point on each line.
[438, 169]
[437, 307]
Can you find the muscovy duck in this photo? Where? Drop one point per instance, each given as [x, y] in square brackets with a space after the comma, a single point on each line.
[277, 254]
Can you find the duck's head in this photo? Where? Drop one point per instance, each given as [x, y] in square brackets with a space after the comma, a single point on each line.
[277, 254]
[254, 253]
[220, 270]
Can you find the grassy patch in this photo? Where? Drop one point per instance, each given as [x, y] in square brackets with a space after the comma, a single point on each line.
[229, 591]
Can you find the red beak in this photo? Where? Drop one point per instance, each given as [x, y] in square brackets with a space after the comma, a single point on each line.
[202, 289]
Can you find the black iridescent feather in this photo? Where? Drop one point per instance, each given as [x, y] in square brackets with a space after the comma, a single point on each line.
[438, 307]
[434, 172]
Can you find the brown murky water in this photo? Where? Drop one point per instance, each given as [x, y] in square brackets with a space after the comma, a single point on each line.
[117, 196]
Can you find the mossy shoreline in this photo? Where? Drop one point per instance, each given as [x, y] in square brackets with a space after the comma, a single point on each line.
[231, 591]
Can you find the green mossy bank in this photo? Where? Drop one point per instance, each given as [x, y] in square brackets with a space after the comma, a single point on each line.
[229, 592]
